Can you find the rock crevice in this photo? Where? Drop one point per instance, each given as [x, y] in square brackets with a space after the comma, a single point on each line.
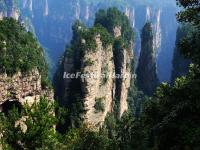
[23, 87]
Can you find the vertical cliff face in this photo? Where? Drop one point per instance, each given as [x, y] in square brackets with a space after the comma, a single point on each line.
[98, 90]
[146, 72]
[31, 5]
[180, 64]
[11, 9]
[133, 17]
[108, 65]
[22, 88]
[165, 56]
[54, 30]
[142, 15]
[46, 12]
[123, 60]
[157, 33]
[8, 8]
[23, 76]
[52, 21]
[77, 9]
[164, 30]
[87, 13]
[148, 13]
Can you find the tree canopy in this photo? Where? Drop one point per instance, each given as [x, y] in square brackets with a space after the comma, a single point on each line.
[19, 50]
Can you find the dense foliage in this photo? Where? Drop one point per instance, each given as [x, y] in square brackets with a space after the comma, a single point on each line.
[99, 105]
[180, 63]
[112, 18]
[190, 14]
[19, 50]
[169, 120]
[84, 39]
[32, 128]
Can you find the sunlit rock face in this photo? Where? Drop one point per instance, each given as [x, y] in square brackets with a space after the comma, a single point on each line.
[1, 15]
[87, 12]
[9, 9]
[130, 13]
[22, 87]
[165, 56]
[77, 10]
[133, 18]
[123, 60]
[117, 31]
[95, 88]
[153, 16]
[164, 24]
[54, 31]
[46, 12]
[148, 13]
[158, 32]
[111, 91]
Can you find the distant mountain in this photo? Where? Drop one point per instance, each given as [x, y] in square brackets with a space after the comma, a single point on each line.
[52, 21]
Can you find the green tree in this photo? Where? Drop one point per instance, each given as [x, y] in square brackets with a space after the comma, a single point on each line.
[130, 133]
[85, 138]
[171, 117]
[20, 51]
[111, 18]
[32, 128]
[180, 63]
[190, 14]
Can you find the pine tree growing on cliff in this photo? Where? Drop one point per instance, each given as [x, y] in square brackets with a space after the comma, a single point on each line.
[20, 51]
[85, 42]
[147, 79]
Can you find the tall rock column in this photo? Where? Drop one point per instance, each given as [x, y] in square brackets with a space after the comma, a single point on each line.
[147, 80]
[123, 59]
[8, 8]
[104, 50]
[98, 90]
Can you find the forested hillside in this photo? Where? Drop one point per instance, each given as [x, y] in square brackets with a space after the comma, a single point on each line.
[102, 113]
[20, 51]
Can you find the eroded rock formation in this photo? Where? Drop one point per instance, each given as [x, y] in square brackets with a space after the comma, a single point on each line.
[9, 9]
[22, 87]
[98, 87]
[146, 72]
[108, 64]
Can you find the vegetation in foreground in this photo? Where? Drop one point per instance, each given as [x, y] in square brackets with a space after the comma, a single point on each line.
[169, 120]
